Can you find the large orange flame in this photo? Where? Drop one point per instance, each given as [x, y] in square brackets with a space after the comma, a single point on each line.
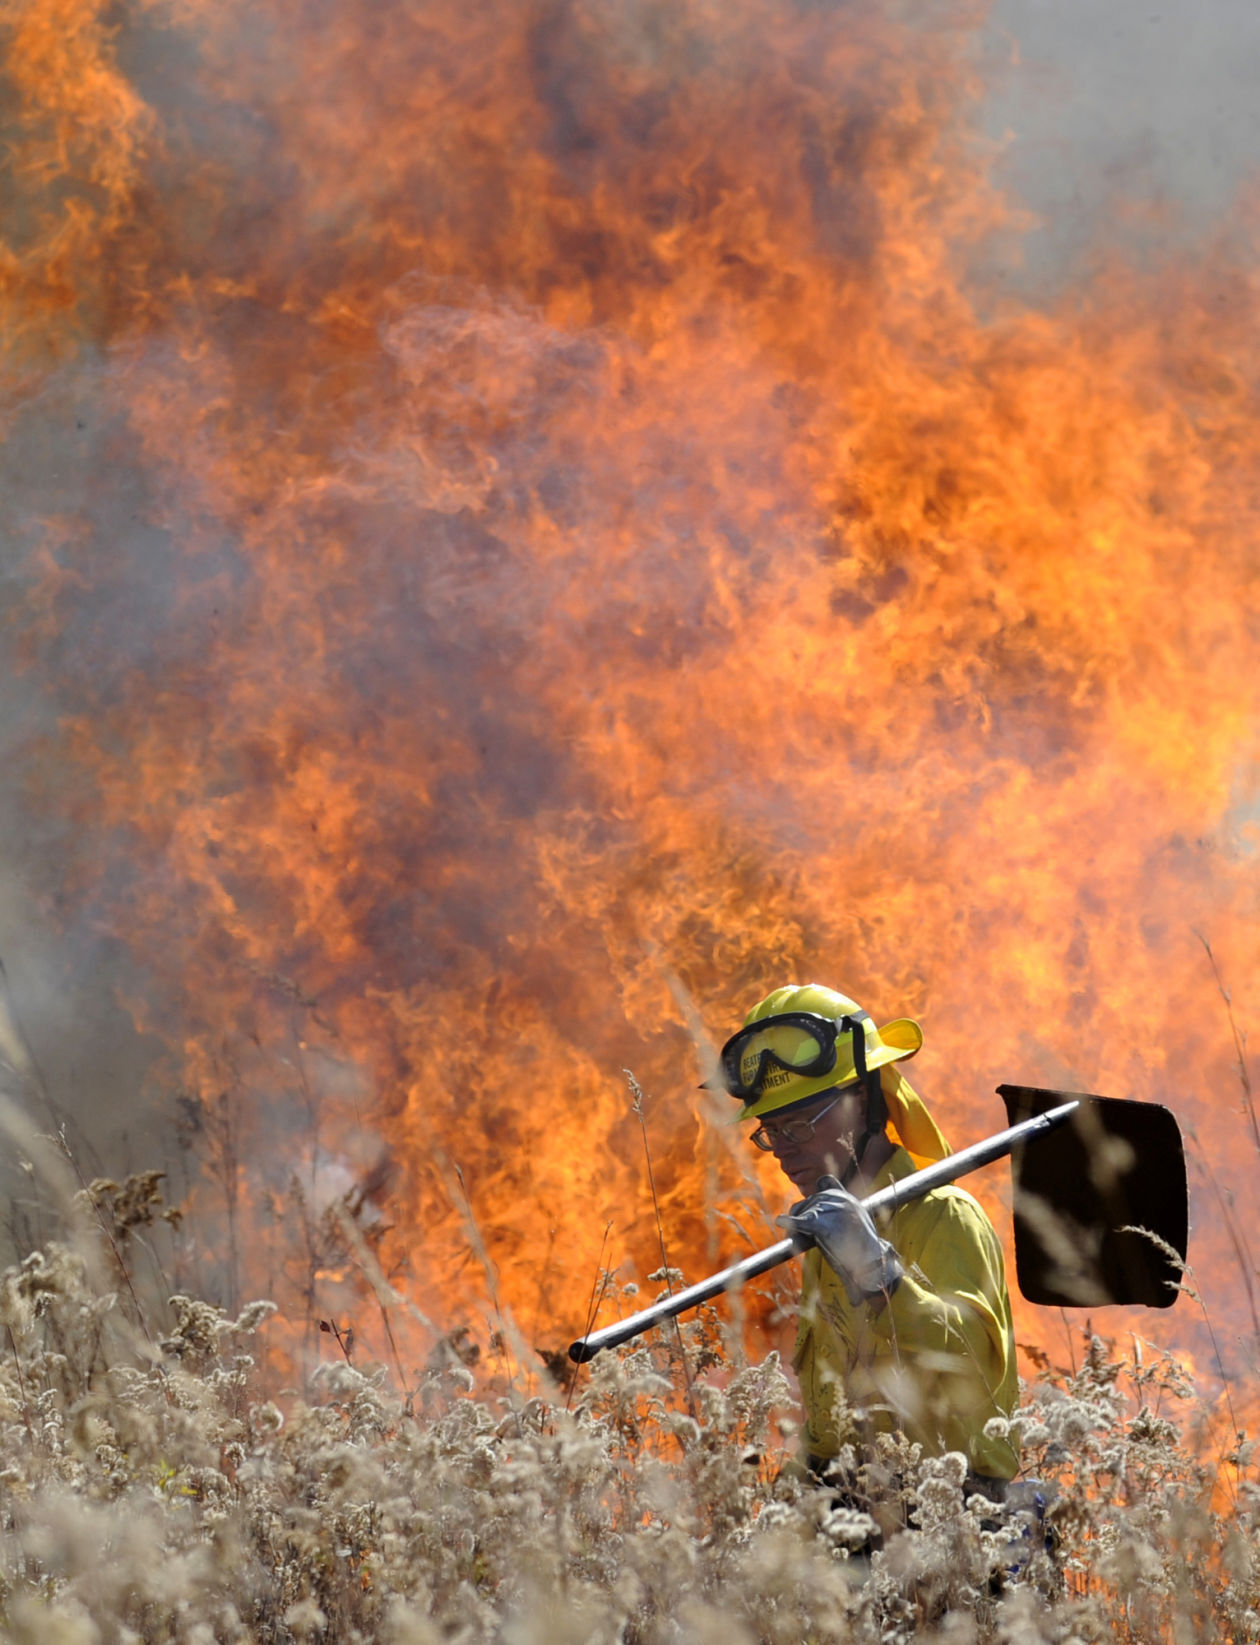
[551, 523]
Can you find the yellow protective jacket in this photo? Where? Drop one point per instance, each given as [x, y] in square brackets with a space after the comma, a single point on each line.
[937, 1360]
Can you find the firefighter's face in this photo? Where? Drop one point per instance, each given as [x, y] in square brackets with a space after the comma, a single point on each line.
[824, 1143]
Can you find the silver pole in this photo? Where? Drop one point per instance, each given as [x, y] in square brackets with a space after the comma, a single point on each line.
[887, 1199]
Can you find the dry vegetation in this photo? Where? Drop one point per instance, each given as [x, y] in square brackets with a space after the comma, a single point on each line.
[157, 1487]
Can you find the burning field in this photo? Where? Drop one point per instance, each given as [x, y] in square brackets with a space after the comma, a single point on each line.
[534, 524]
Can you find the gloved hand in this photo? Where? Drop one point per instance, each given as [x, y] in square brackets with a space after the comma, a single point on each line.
[841, 1227]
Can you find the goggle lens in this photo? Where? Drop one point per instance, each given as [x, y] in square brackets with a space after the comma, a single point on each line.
[773, 1052]
[790, 1046]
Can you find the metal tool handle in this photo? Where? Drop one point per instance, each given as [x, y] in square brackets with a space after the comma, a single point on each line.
[887, 1199]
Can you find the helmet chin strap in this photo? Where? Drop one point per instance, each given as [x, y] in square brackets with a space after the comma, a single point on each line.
[876, 1107]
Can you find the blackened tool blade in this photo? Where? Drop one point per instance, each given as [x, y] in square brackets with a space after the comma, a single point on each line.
[1100, 1204]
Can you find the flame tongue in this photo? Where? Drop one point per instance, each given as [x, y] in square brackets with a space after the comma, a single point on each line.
[553, 524]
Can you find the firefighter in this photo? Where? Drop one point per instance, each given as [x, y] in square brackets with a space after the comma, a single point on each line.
[905, 1320]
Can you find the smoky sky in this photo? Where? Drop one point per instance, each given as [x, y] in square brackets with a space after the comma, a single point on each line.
[1136, 122]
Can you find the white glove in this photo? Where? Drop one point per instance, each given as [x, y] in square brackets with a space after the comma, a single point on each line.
[841, 1227]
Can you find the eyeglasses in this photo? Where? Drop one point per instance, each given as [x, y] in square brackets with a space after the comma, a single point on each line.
[796, 1131]
[793, 1045]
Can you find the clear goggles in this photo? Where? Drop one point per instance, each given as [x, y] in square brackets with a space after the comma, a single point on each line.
[795, 1045]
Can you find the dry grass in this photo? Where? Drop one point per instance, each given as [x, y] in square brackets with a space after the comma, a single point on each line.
[152, 1490]
[157, 1485]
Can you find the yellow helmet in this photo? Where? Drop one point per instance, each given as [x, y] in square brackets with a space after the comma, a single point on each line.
[813, 1039]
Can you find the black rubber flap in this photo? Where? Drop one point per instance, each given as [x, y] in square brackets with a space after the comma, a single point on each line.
[1082, 1189]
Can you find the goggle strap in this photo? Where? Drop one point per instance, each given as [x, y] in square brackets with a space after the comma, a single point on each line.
[876, 1107]
[851, 1026]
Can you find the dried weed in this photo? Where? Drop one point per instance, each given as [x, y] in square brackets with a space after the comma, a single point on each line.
[164, 1497]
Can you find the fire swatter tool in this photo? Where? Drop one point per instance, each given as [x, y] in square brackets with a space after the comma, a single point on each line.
[1121, 1168]
[1089, 1197]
